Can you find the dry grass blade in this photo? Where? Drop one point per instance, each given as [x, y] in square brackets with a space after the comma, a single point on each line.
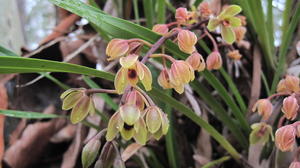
[130, 150]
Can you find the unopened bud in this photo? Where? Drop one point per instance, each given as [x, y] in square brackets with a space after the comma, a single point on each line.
[161, 29]
[214, 61]
[243, 20]
[196, 61]
[204, 9]
[290, 107]
[285, 138]
[235, 54]
[187, 41]
[264, 108]
[292, 83]
[181, 15]
[239, 33]
[164, 79]
[90, 152]
[281, 86]
[181, 73]
[116, 48]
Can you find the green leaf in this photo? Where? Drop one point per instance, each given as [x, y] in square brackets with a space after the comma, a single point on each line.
[197, 2]
[216, 162]
[30, 65]
[148, 11]
[116, 27]
[136, 11]
[228, 99]
[161, 11]
[220, 113]
[27, 114]
[285, 44]
[4, 51]
[199, 121]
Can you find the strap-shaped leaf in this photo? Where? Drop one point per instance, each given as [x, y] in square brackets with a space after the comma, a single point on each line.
[27, 114]
[30, 65]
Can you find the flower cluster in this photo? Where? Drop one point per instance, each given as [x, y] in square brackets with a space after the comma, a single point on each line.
[138, 119]
[285, 135]
[80, 103]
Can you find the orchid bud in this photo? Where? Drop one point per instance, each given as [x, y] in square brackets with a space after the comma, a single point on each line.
[264, 108]
[161, 29]
[116, 48]
[260, 133]
[181, 73]
[71, 97]
[196, 61]
[235, 54]
[295, 164]
[164, 79]
[239, 33]
[181, 15]
[204, 9]
[90, 152]
[214, 61]
[290, 107]
[187, 41]
[292, 83]
[285, 138]
[84, 107]
[297, 127]
[281, 86]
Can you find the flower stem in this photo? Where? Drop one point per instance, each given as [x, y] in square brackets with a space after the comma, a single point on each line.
[92, 91]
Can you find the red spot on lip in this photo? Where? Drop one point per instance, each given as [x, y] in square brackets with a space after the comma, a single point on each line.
[132, 73]
[226, 23]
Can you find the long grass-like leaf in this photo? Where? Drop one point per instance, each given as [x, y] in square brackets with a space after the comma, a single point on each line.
[10, 64]
[27, 114]
[136, 11]
[220, 113]
[148, 11]
[161, 11]
[170, 139]
[228, 99]
[216, 162]
[199, 121]
[286, 41]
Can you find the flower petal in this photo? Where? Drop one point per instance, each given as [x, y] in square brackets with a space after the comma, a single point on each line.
[71, 100]
[141, 135]
[129, 60]
[230, 11]
[153, 119]
[120, 81]
[227, 34]
[234, 21]
[147, 80]
[129, 114]
[80, 111]
[213, 24]
[113, 127]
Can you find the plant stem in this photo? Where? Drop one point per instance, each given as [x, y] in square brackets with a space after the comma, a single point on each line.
[91, 91]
